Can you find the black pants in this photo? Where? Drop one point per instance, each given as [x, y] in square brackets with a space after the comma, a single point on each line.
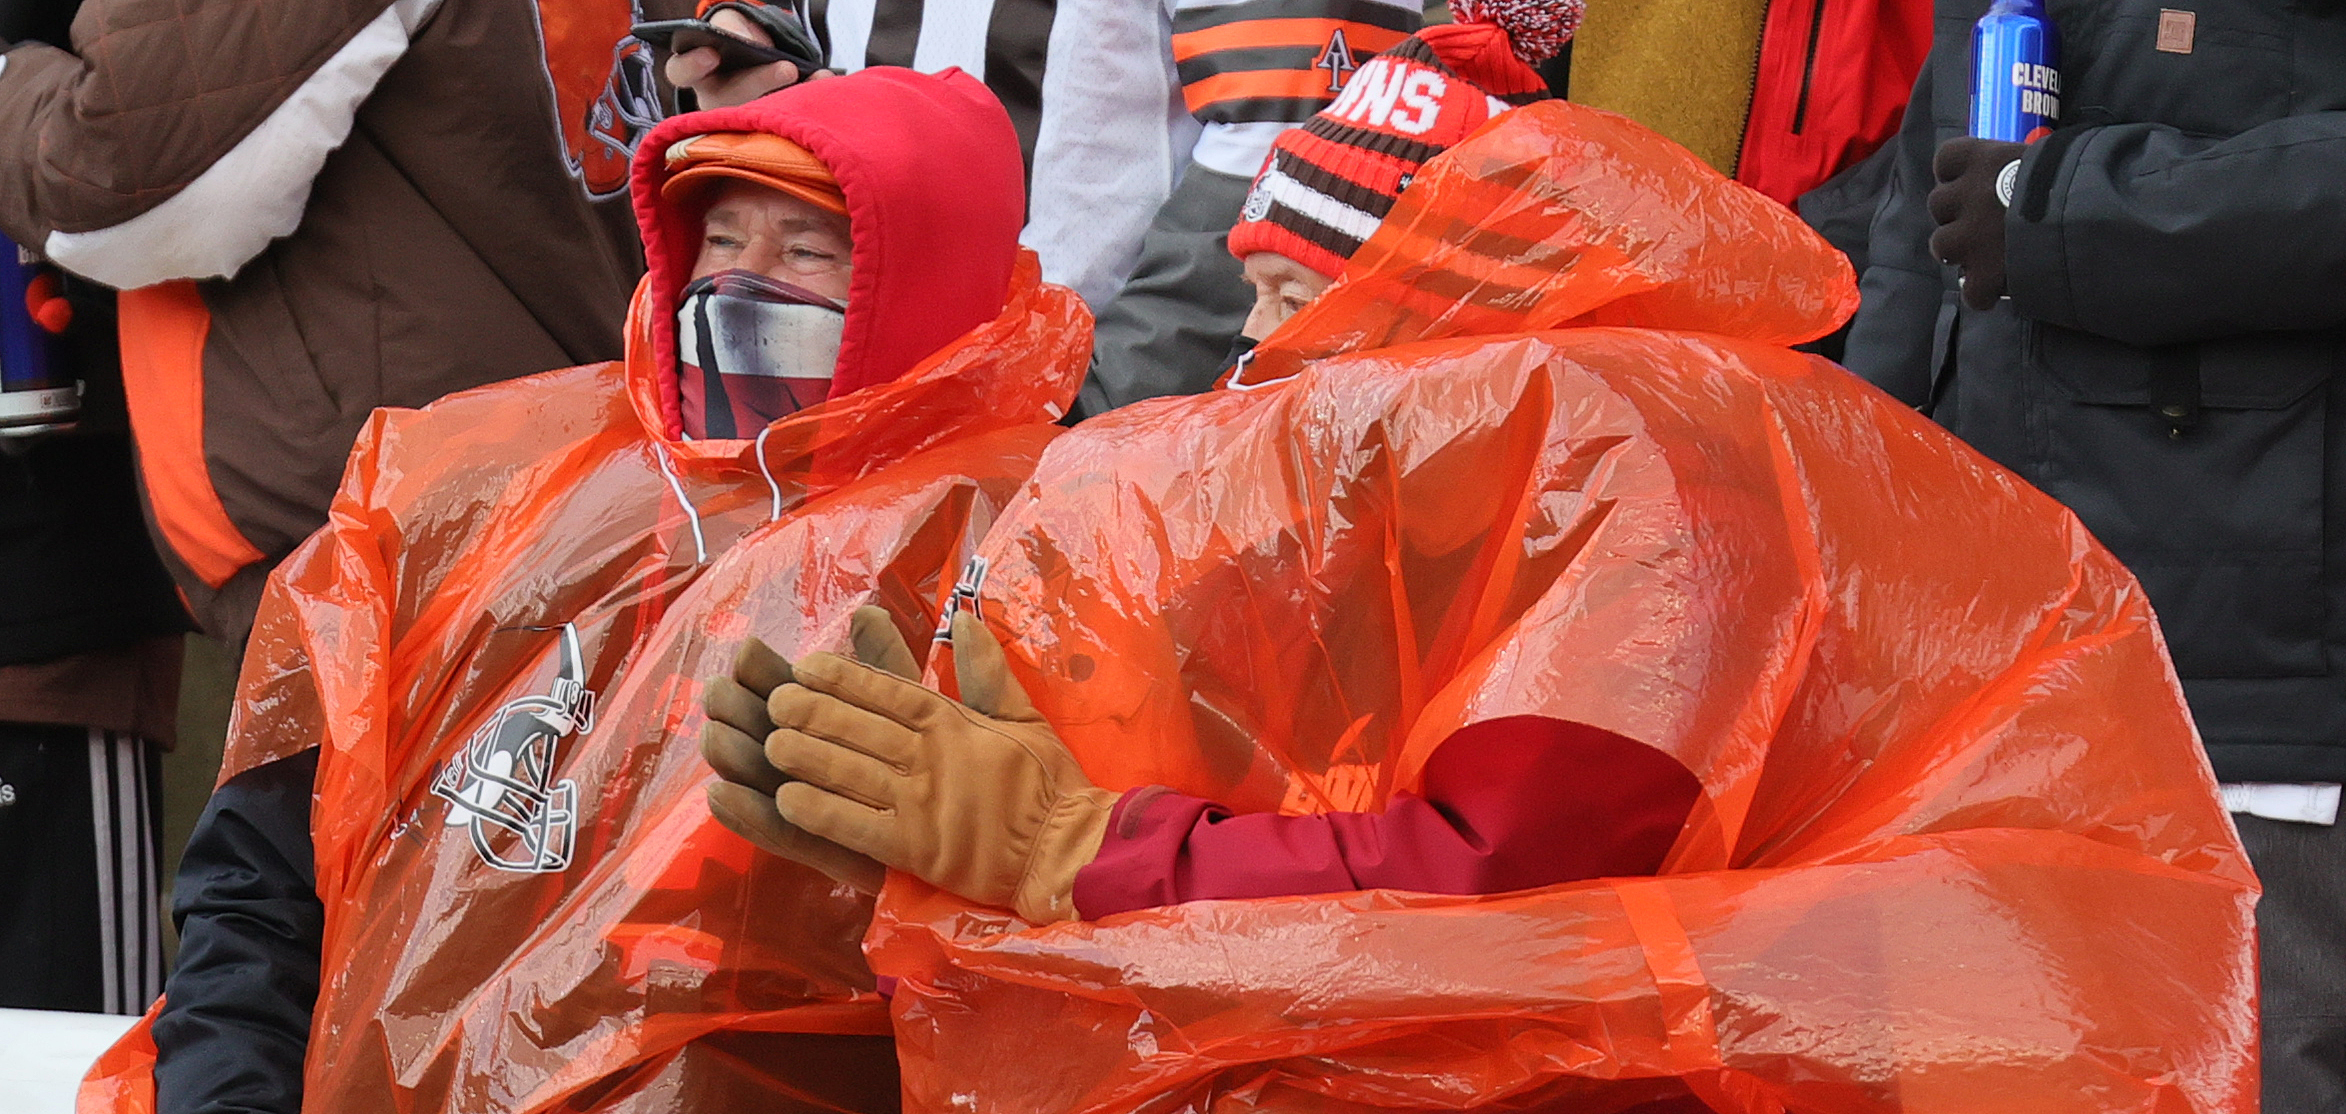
[2301, 946]
[80, 923]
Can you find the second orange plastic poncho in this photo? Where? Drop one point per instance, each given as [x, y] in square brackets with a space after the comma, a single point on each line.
[1958, 850]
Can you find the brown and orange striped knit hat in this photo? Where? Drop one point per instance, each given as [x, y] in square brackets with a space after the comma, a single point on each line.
[1329, 183]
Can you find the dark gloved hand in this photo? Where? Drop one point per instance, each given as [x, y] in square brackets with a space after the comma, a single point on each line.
[1976, 180]
[733, 742]
[977, 797]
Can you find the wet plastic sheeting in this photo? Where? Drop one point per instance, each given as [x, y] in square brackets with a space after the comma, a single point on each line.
[1958, 849]
[498, 555]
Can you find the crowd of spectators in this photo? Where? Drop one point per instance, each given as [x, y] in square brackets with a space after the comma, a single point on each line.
[404, 330]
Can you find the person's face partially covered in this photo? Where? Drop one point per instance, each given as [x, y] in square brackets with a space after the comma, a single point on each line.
[761, 320]
[1282, 287]
[750, 227]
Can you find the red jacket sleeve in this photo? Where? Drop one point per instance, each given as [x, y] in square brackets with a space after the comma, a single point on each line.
[1508, 804]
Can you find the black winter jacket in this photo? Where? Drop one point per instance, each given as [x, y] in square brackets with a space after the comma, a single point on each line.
[235, 1026]
[2167, 363]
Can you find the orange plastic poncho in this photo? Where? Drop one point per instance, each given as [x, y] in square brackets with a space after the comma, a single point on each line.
[497, 641]
[1958, 851]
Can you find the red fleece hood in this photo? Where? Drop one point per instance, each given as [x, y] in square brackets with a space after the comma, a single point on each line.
[935, 198]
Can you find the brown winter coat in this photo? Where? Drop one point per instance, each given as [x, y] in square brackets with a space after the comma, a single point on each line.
[316, 209]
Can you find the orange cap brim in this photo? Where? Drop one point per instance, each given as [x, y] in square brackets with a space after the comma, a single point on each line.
[767, 160]
[683, 185]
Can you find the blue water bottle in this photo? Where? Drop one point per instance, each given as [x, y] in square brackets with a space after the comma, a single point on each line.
[37, 393]
[2015, 73]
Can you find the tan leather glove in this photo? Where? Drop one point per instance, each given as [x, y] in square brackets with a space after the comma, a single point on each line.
[979, 798]
[743, 799]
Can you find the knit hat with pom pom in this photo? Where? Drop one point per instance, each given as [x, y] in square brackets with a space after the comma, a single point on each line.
[1538, 28]
[1329, 183]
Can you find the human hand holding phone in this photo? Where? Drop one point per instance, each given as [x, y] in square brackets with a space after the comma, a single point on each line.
[730, 58]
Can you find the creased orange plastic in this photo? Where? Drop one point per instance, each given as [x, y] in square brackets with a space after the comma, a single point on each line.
[122, 1081]
[669, 965]
[1958, 848]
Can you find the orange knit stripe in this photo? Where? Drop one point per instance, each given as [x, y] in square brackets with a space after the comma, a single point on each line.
[1255, 84]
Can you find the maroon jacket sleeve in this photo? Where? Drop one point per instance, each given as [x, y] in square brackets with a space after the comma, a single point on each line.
[1509, 804]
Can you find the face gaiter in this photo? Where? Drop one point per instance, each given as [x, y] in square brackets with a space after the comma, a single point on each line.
[751, 349]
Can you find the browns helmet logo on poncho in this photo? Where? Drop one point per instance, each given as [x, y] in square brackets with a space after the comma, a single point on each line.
[503, 781]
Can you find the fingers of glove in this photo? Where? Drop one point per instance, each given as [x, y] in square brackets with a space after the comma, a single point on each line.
[861, 686]
[738, 758]
[1945, 203]
[759, 668]
[1953, 157]
[830, 718]
[880, 645]
[830, 766]
[727, 702]
[830, 816]
[983, 671]
[1944, 243]
[755, 817]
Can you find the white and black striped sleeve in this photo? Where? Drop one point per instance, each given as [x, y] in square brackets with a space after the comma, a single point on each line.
[1115, 137]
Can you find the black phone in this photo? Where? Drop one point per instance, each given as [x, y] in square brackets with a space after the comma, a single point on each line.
[792, 43]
